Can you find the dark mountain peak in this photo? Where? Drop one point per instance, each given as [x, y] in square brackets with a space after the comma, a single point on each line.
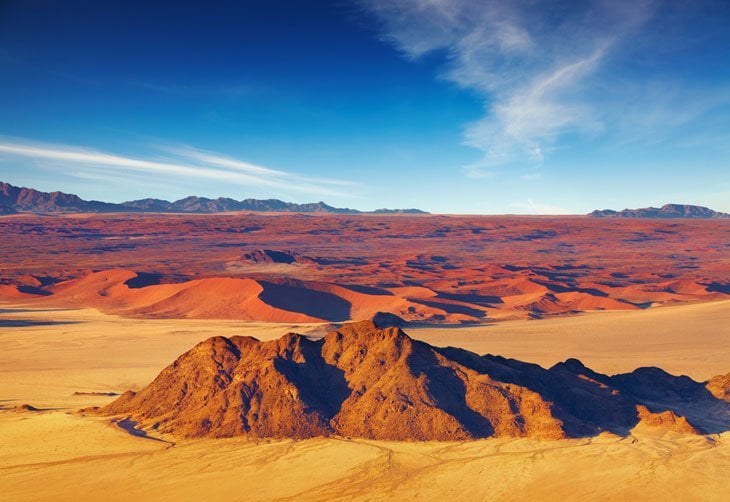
[191, 198]
[666, 211]
[28, 199]
[149, 204]
[22, 199]
[399, 211]
[571, 364]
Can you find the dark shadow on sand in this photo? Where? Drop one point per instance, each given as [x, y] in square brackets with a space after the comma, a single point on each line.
[130, 426]
[25, 323]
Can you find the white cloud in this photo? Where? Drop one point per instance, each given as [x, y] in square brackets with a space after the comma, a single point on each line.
[531, 176]
[215, 159]
[533, 207]
[190, 164]
[531, 62]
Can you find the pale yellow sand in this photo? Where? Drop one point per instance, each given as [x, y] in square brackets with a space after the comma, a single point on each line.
[56, 456]
[87, 351]
[689, 339]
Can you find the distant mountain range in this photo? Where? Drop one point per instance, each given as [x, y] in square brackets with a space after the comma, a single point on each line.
[20, 199]
[666, 211]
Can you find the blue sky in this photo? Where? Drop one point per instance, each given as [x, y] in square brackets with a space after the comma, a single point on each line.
[450, 106]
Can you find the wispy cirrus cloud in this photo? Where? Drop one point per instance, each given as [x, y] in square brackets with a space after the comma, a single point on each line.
[534, 207]
[219, 160]
[530, 61]
[230, 90]
[180, 163]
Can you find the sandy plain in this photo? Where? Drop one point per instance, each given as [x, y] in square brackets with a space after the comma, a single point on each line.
[48, 355]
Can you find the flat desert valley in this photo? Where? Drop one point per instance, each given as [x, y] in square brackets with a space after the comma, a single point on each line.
[94, 306]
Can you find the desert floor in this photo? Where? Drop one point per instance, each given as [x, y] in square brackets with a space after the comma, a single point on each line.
[48, 355]
[331, 268]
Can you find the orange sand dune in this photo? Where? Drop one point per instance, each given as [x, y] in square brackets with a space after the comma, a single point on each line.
[128, 293]
[113, 291]
[435, 269]
[511, 286]
[11, 292]
[213, 298]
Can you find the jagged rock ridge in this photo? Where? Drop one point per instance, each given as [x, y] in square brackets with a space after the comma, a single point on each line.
[275, 256]
[363, 381]
[399, 211]
[666, 211]
[27, 199]
[21, 199]
[194, 204]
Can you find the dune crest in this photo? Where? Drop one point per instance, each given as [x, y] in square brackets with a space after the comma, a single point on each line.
[436, 269]
[130, 293]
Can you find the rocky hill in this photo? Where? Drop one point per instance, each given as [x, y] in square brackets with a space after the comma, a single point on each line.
[666, 211]
[195, 204]
[399, 211]
[20, 199]
[27, 199]
[364, 381]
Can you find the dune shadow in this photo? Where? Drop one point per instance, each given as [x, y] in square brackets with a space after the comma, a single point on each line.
[481, 300]
[142, 280]
[26, 310]
[307, 301]
[451, 308]
[593, 292]
[95, 393]
[130, 426]
[34, 290]
[718, 287]
[367, 290]
[27, 323]
[25, 408]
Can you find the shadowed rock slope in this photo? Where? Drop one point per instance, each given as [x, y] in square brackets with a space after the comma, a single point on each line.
[362, 381]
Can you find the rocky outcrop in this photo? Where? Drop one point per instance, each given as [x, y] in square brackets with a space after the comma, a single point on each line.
[666, 421]
[719, 386]
[274, 256]
[368, 382]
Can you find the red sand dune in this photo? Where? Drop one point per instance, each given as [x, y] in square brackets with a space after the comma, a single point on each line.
[298, 268]
[229, 298]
